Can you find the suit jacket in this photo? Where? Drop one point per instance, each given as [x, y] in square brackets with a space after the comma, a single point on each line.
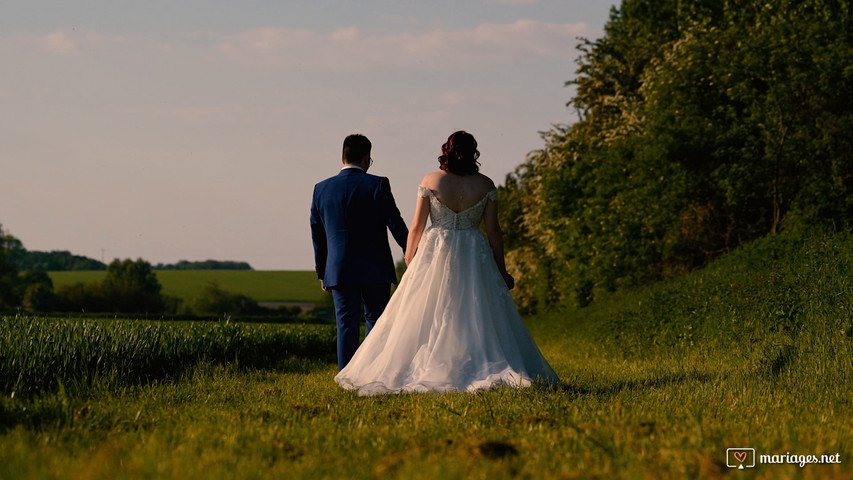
[349, 216]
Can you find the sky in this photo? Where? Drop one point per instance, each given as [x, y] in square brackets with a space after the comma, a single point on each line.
[196, 130]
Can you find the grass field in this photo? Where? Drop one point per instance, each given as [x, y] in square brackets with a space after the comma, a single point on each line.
[260, 285]
[754, 351]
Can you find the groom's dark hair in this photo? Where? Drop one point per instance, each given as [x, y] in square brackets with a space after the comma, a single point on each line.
[356, 147]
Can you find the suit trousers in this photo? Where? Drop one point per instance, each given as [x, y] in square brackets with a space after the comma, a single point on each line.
[348, 313]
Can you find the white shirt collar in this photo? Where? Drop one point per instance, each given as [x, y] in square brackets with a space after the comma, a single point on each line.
[352, 166]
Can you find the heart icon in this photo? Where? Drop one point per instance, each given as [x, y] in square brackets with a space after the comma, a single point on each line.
[740, 456]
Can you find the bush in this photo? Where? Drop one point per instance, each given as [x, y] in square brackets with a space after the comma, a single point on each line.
[37, 292]
[129, 287]
[213, 300]
[9, 294]
[81, 297]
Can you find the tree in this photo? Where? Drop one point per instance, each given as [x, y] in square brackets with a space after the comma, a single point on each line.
[81, 297]
[212, 300]
[703, 125]
[205, 265]
[37, 292]
[55, 261]
[9, 294]
[131, 287]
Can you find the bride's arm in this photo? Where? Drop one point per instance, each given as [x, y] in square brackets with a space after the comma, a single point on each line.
[495, 236]
[417, 229]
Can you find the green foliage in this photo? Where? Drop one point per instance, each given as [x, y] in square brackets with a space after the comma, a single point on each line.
[128, 287]
[37, 292]
[8, 272]
[80, 297]
[31, 290]
[132, 287]
[703, 126]
[205, 265]
[56, 261]
[212, 300]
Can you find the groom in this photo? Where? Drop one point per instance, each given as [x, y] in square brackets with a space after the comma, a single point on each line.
[349, 215]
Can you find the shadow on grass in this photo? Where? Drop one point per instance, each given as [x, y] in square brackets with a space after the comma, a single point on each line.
[65, 406]
[612, 389]
[299, 365]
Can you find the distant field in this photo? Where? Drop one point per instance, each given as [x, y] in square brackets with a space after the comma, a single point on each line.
[262, 286]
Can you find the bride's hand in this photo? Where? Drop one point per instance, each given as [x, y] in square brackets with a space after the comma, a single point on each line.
[409, 257]
[510, 282]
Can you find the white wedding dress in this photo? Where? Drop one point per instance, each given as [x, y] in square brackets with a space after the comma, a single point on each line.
[452, 324]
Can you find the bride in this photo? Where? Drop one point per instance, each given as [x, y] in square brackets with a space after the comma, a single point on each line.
[452, 324]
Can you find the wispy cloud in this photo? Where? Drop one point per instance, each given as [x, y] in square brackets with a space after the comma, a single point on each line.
[516, 2]
[210, 114]
[58, 43]
[352, 48]
[192, 114]
[349, 48]
[72, 41]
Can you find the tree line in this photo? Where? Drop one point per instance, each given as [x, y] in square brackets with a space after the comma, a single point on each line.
[205, 265]
[130, 286]
[702, 125]
[63, 260]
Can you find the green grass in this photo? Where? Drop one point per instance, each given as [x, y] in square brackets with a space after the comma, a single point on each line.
[260, 285]
[40, 354]
[754, 351]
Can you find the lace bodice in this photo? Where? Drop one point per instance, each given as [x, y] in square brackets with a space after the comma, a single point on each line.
[451, 325]
[442, 216]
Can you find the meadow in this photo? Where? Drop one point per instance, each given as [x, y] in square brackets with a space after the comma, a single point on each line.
[260, 285]
[755, 350]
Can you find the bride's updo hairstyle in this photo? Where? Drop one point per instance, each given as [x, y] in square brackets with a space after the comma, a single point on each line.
[459, 155]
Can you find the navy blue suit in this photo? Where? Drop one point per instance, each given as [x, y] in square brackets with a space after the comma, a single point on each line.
[350, 213]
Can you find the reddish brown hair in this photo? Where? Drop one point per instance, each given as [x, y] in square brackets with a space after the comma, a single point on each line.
[459, 154]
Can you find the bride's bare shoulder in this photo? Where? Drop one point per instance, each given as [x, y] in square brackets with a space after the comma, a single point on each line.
[485, 181]
[484, 184]
[431, 180]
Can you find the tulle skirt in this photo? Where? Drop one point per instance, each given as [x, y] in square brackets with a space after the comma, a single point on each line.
[451, 325]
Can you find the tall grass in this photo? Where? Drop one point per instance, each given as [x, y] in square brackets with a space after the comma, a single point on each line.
[40, 354]
[782, 305]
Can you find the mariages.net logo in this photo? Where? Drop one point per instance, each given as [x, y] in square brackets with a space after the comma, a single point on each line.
[742, 458]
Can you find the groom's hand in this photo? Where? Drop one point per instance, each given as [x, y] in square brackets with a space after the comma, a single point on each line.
[323, 286]
[510, 282]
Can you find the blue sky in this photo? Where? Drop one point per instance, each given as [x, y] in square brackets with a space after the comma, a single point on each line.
[197, 129]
